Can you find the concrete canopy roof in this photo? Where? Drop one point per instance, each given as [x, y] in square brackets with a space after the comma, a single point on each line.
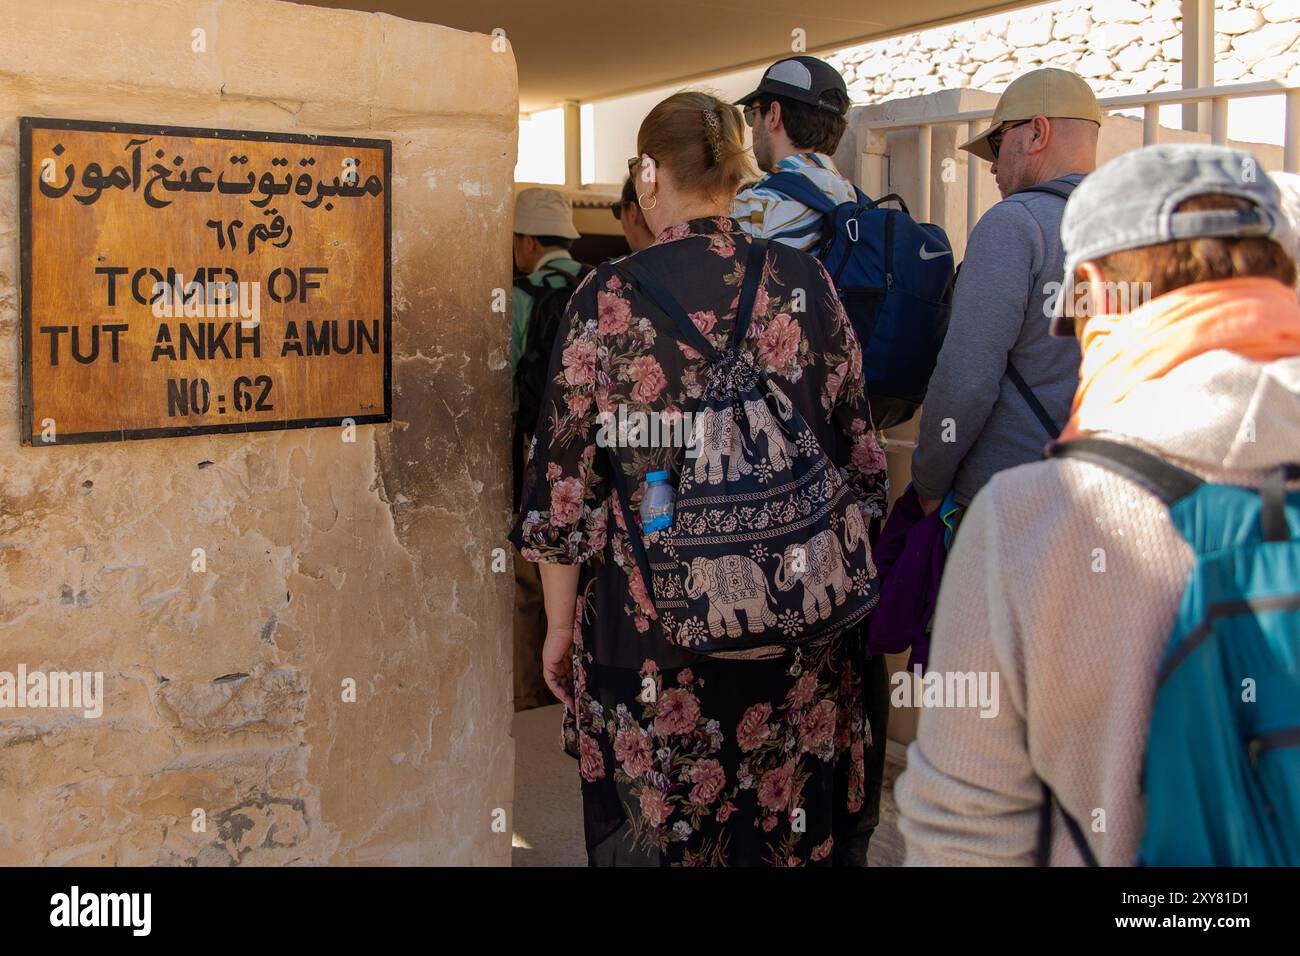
[592, 49]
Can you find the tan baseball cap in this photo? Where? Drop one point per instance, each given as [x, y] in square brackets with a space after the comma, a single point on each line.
[1056, 94]
[544, 212]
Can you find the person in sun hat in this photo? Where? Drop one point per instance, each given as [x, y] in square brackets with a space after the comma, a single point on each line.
[543, 234]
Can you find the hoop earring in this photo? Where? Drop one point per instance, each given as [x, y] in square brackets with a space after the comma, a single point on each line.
[644, 206]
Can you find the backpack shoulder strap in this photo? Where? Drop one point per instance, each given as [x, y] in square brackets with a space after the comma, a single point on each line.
[575, 278]
[1030, 398]
[754, 265]
[799, 188]
[692, 336]
[662, 300]
[1167, 482]
[570, 279]
[1171, 484]
[892, 197]
[1060, 188]
[1044, 850]
[538, 292]
[1272, 503]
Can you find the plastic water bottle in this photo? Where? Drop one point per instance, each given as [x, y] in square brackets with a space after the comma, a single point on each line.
[657, 503]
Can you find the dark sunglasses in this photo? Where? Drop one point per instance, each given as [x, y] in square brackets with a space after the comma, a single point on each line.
[617, 208]
[995, 139]
[751, 114]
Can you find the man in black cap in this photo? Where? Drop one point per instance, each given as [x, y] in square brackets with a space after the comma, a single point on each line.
[798, 115]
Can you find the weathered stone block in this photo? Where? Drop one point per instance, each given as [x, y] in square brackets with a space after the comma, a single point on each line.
[1281, 11]
[1030, 31]
[1119, 11]
[1095, 65]
[1110, 38]
[992, 76]
[1135, 56]
[1156, 31]
[1269, 40]
[1237, 20]
[1075, 23]
[329, 565]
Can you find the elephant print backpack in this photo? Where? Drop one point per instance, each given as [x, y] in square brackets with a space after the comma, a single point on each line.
[767, 544]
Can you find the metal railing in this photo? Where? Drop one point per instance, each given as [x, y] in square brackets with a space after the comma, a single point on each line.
[1217, 96]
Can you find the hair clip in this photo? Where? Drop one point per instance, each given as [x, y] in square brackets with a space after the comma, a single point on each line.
[714, 133]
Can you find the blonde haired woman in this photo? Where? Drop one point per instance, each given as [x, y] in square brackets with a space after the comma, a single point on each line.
[688, 759]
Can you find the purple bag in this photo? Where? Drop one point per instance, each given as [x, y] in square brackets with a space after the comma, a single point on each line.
[909, 558]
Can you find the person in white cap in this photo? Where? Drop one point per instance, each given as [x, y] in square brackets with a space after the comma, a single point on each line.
[543, 234]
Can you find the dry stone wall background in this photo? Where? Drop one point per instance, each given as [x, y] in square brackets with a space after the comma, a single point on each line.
[1120, 46]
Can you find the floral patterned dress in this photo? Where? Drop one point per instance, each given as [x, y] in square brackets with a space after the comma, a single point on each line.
[687, 759]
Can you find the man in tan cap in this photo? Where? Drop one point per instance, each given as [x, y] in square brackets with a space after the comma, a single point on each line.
[1044, 127]
[1002, 386]
[543, 235]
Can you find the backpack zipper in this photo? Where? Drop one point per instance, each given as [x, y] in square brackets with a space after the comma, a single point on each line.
[1273, 740]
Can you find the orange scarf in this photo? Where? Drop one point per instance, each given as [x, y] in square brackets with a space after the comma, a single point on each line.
[1258, 319]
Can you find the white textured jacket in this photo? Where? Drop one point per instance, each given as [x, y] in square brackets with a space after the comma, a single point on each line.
[1077, 649]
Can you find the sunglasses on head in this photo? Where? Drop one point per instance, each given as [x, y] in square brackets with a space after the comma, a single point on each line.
[995, 139]
[634, 164]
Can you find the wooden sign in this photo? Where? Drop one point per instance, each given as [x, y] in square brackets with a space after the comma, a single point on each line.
[184, 281]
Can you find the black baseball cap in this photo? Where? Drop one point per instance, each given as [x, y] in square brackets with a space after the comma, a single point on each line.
[804, 79]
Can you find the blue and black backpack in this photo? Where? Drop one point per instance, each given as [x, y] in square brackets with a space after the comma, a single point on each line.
[1222, 771]
[894, 276]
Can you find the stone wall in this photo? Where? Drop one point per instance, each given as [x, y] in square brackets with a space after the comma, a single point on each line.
[326, 560]
[1120, 46]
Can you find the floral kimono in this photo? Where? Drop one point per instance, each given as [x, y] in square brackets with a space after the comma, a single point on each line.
[688, 759]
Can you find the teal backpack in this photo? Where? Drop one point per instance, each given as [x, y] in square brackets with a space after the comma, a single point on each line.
[1222, 772]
